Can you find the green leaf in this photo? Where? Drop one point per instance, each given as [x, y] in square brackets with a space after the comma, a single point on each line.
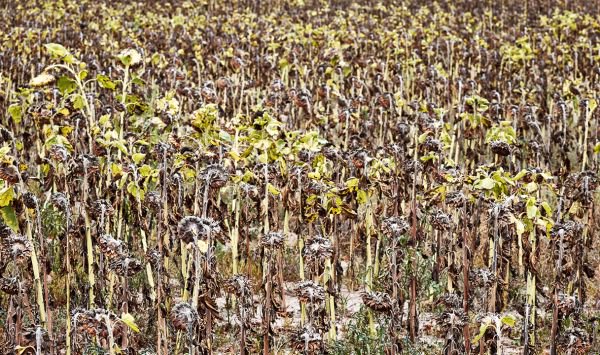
[83, 74]
[547, 208]
[66, 85]
[105, 82]
[531, 187]
[57, 50]
[520, 175]
[135, 190]
[7, 194]
[16, 112]
[352, 183]
[519, 226]
[361, 197]
[138, 157]
[532, 211]
[485, 184]
[508, 320]
[272, 189]
[130, 322]
[482, 330]
[78, 102]
[10, 218]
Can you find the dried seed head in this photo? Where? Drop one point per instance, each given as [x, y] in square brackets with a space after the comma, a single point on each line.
[377, 301]
[309, 291]
[453, 319]
[6, 135]
[153, 257]
[568, 230]
[59, 153]
[110, 246]
[432, 145]
[10, 174]
[568, 305]
[5, 231]
[249, 190]
[501, 213]
[102, 209]
[29, 200]
[441, 221]
[306, 340]
[32, 335]
[394, 227]
[152, 200]
[317, 249]
[60, 200]
[574, 341]
[450, 300]
[272, 240]
[91, 321]
[500, 147]
[125, 265]
[9, 285]
[17, 246]
[183, 316]
[215, 175]
[238, 285]
[481, 277]
[456, 198]
[192, 227]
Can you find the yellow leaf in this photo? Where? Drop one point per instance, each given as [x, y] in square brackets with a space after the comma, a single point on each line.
[130, 322]
[6, 196]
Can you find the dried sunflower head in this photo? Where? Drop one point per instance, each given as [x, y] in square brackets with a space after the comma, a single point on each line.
[125, 265]
[17, 246]
[309, 291]
[5, 231]
[153, 257]
[441, 221]
[30, 200]
[500, 147]
[32, 335]
[452, 319]
[238, 285]
[59, 153]
[574, 341]
[501, 213]
[101, 209]
[568, 305]
[481, 277]
[215, 176]
[272, 240]
[110, 246]
[92, 322]
[9, 285]
[60, 200]
[317, 249]
[249, 190]
[183, 316]
[152, 200]
[192, 227]
[377, 301]
[450, 300]
[568, 230]
[10, 174]
[394, 227]
[455, 198]
[306, 339]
